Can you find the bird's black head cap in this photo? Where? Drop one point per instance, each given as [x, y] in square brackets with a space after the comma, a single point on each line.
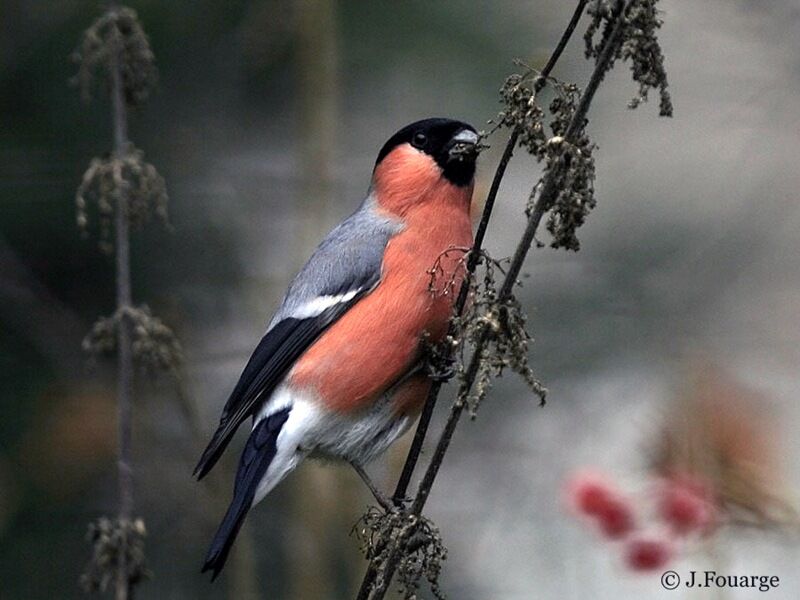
[451, 143]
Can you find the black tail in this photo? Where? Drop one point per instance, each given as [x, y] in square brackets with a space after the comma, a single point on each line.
[256, 457]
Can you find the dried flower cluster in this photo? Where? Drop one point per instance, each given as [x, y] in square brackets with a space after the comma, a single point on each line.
[154, 344]
[422, 549]
[570, 163]
[114, 544]
[97, 51]
[129, 180]
[640, 45]
[497, 327]
[522, 111]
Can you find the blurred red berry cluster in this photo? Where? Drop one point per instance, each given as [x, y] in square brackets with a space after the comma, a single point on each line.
[713, 464]
[650, 529]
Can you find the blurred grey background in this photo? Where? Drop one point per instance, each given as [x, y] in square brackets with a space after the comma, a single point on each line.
[265, 125]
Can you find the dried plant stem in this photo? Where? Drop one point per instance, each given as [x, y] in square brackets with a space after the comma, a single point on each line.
[126, 191]
[123, 284]
[545, 200]
[472, 261]
[562, 43]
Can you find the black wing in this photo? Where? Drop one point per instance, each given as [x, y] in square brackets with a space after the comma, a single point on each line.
[273, 357]
[344, 267]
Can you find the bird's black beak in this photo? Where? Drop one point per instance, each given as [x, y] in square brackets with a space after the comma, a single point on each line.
[464, 145]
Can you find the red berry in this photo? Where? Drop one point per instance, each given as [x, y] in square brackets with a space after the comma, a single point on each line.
[590, 493]
[616, 518]
[685, 508]
[647, 554]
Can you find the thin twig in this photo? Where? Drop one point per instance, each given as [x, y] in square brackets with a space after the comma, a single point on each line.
[544, 202]
[562, 43]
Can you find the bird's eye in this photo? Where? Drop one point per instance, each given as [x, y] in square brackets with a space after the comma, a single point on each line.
[419, 140]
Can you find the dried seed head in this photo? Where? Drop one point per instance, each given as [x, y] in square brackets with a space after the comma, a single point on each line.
[129, 181]
[115, 543]
[155, 346]
[498, 327]
[639, 45]
[117, 32]
[421, 548]
[572, 164]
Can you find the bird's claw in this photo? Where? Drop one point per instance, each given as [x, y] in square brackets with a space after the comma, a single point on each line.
[441, 373]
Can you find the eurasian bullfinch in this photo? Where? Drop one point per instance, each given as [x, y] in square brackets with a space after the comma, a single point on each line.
[339, 372]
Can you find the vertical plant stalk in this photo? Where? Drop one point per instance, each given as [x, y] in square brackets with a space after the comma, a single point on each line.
[544, 202]
[127, 191]
[124, 302]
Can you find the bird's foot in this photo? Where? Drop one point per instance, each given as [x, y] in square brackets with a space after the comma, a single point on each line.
[441, 374]
[439, 367]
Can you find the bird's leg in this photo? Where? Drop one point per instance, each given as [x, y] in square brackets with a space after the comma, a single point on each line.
[382, 500]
